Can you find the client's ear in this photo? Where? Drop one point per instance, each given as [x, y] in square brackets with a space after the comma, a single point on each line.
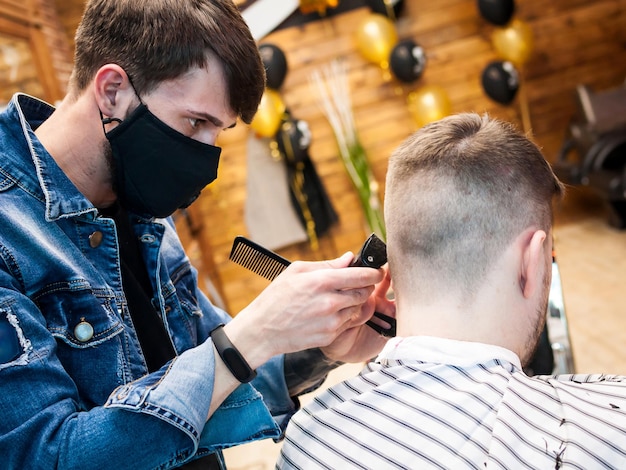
[533, 263]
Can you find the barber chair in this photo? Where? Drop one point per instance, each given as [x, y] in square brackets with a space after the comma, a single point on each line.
[593, 153]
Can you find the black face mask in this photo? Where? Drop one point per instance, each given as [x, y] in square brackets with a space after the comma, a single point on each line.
[158, 169]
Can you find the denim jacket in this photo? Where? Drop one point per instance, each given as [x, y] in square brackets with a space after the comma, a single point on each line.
[82, 399]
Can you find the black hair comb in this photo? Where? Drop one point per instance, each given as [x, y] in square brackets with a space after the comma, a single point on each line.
[266, 263]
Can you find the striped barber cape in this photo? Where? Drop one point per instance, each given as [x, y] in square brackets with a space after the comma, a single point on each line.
[437, 403]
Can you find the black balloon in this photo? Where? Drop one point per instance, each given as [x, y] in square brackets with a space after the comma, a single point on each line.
[500, 81]
[275, 64]
[407, 61]
[498, 12]
[380, 6]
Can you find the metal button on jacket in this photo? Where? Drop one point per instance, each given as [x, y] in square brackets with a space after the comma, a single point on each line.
[83, 331]
[95, 239]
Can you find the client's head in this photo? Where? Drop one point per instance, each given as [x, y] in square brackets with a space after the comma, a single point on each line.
[459, 193]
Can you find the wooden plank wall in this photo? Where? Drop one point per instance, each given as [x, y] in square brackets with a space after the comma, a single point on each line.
[50, 40]
[48, 57]
[576, 41]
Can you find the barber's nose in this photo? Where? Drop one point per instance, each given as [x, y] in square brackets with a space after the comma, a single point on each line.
[207, 136]
[212, 137]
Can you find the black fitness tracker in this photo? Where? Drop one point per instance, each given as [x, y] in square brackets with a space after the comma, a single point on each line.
[233, 359]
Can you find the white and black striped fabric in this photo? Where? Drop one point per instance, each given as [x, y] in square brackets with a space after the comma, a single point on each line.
[436, 403]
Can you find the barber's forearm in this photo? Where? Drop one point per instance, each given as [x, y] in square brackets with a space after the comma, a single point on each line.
[224, 383]
[304, 370]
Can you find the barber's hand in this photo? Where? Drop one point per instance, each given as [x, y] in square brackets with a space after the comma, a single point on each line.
[360, 342]
[310, 304]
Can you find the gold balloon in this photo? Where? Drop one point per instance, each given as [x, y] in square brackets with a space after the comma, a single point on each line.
[375, 37]
[428, 104]
[514, 42]
[268, 116]
[317, 6]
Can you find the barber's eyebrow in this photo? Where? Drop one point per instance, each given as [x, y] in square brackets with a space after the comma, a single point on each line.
[212, 119]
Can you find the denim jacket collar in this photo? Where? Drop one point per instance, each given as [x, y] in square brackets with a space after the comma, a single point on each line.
[49, 183]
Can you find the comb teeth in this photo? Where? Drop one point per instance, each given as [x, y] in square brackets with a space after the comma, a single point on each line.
[257, 259]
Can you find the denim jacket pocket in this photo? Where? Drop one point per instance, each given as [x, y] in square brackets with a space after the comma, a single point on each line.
[89, 341]
[5, 181]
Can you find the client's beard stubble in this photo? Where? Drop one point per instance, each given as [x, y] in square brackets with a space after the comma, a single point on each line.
[539, 321]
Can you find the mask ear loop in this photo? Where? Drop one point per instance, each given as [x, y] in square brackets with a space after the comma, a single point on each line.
[109, 120]
[132, 85]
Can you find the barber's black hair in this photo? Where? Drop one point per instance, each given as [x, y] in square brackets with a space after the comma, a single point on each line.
[157, 40]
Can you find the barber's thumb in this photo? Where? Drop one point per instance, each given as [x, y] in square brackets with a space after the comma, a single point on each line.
[343, 261]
